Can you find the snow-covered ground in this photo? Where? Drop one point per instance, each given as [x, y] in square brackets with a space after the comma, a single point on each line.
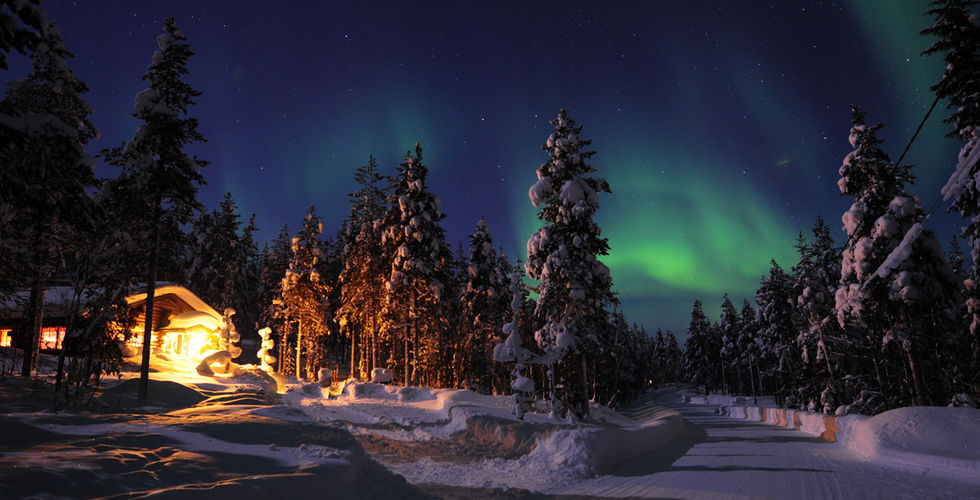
[235, 436]
[726, 457]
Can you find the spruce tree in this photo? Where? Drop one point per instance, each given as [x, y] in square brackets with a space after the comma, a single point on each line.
[748, 346]
[959, 41]
[304, 293]
[272, 312]
[574, 290]
[485, 304]
[363, 274]
[163, 176]
[20, 24]
[46, 172]
[896, 286]
[780, 358]
[958, 36]
[731, 364]
[417, 276]
[673, 356]
[220, 256]
[868, 175]
[816, 278]
[697, 349]
[957, 261]
[659, 357]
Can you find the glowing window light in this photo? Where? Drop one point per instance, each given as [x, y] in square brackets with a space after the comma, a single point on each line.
[5, 339]
[52, 337]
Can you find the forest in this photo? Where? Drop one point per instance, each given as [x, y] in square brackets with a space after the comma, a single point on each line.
[385, 290]
[887, 319]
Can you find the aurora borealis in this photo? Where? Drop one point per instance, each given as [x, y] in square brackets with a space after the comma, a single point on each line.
[720, 128]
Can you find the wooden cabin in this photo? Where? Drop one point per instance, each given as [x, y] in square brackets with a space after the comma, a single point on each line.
[182, 322]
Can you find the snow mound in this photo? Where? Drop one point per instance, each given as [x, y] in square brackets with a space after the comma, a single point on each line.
[590, 451]
[414, 394]
[367, 390]
[938, 438]
[161, 393]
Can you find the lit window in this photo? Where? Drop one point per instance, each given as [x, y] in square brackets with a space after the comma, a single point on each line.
[52, 336]
[5, 339]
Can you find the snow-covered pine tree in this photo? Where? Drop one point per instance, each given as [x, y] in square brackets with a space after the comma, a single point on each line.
[958, 36]
[331, 346]
[659, 357]
[20, 24]
[574, 290]
[613, 377]
[304, 294]
[485, 304]
[895, 281]
[697, 349]
[272, 314]
[365, 269]
[512, 349]
[957, 261]
[958, 33]
[247, 281]
[417, 277]
[817, 275]
[780, 358]
[674, 356]
[731, 364]
[748, 348]
[499, 374]
[46, 172]
[220, 257]
[868, 175]
[453, 357]
[164, 177]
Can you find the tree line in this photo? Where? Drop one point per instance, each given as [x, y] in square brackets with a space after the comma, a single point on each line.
[384, 291]
[888, 319]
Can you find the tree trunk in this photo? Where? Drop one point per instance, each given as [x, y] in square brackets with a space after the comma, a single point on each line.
[283, 342]
[353, 347]
[755, 400]
[724, 383]
[415, 346]
[299, 350]
[69, 330]
[151, 286]
[921, 398]
[374, 346]
[738, 378]
[33, 350]
[585, 385]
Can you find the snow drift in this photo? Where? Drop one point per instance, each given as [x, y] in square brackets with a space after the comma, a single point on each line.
[940, 440]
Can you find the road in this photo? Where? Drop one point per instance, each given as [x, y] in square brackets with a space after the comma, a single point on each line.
[724, 457]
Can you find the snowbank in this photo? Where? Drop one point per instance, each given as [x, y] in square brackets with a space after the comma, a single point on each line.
[938, 439]
[481, 432]
[825, 426]
[590, 451]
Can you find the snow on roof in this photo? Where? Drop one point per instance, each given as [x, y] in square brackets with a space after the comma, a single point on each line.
[181, 292]
[57, 300]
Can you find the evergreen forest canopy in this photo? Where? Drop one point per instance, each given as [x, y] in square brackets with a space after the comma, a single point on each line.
[888, 320]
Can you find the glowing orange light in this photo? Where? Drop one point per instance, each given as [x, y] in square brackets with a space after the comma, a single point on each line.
[52, 337]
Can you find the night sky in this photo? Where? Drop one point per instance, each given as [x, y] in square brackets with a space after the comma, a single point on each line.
[720, 129]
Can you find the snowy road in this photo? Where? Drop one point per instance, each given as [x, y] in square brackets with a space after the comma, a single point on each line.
[724, 457]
